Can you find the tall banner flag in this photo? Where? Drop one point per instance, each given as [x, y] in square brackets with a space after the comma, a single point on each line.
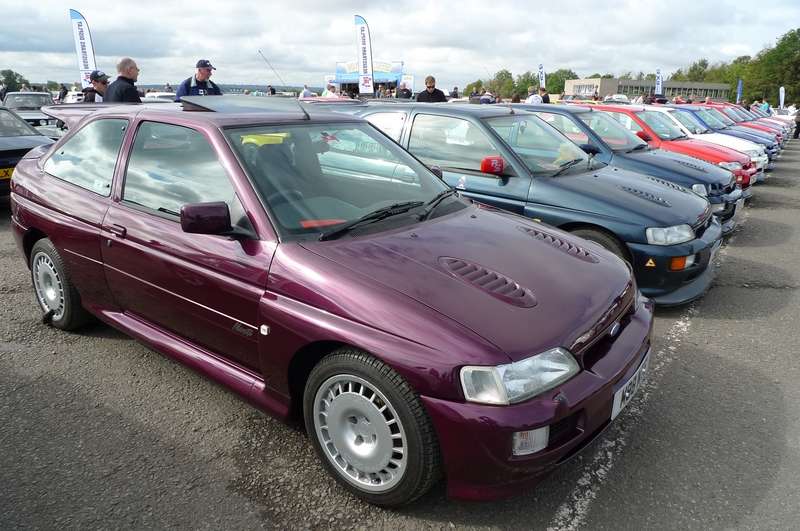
[739, 91]
[364, 57]
[541, 76]
[781, 97]
[83, 47]
[659, 82]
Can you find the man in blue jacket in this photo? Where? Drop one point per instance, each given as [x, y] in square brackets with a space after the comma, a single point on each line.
[199, 84]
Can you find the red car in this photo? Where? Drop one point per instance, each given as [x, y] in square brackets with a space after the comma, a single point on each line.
[660, 133]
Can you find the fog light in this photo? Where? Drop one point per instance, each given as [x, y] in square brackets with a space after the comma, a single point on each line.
[531, 441]
[679, 263]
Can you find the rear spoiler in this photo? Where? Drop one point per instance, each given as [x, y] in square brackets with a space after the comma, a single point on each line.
[72, 113]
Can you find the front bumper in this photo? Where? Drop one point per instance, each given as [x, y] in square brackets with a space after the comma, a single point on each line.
[726, 207]
[672, 288]
[476, 439]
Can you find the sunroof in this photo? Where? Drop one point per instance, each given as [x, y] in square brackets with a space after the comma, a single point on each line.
[239, 104]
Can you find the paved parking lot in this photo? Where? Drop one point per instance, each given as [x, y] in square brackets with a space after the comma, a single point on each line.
[97, 431]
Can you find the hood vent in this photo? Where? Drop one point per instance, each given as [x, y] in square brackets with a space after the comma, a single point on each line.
[563, 245]
[646, 195]
[495, 284]
[693, 166]
[668, 184]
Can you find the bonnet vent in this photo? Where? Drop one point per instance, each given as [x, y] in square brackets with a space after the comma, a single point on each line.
[495, 284]
[563, 245]
[646, 195]
[668, 184]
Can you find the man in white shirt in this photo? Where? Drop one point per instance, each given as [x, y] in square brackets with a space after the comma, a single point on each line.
[533, 96]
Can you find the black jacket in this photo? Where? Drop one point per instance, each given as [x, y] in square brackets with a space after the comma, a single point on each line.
[404, 94]
[545, 98]
[431, 97]
[122, 90]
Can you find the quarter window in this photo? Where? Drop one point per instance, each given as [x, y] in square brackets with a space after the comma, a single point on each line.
[89, 157]
[171, 166]
[390, 123]
[449, 142]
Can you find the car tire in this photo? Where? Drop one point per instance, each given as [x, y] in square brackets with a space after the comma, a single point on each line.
[54, 289]
[370, 429]
[606, 241]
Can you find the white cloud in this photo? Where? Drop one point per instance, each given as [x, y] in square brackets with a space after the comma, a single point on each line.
[457, 42]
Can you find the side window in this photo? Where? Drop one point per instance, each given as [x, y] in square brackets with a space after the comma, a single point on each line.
[390, 123]
[449, 142]
[171, 166]
[566, 126]
[626, 121]
[88, 158]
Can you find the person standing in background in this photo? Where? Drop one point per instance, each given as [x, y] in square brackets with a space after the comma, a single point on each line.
[123, 88]
[431, 94]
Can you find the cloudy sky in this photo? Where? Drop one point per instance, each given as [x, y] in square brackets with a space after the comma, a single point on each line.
[457, 41]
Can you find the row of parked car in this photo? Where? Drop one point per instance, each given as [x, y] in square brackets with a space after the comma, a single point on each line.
[436, 290]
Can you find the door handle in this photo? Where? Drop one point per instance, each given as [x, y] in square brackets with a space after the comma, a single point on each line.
[117, 230]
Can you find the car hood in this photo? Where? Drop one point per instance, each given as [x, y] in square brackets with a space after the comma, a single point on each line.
[628, 195]
[678, 163]
[728, 141]
[706, 150]
[519, 285]
[23, 142]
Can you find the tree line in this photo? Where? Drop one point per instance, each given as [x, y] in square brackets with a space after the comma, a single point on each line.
[762, 75]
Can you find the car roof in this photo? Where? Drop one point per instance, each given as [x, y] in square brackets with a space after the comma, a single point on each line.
[28, 92]
[221, 111]
[564, 109]
[451, 109]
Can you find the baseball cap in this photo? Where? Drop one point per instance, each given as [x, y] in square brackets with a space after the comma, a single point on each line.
[98, 75]
[205, 63]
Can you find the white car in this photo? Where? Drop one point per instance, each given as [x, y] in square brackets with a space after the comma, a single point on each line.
[74, 96]
[693, 128]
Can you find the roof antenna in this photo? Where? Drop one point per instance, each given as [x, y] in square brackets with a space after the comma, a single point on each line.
[307, 117]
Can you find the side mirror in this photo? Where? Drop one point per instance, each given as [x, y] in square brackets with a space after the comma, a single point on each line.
[437, 171]
[590, 149]
[493, 165]
[644, 136]
[206, 218]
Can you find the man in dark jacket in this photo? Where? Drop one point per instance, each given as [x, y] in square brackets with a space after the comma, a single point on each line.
[545, 96]
[94, 94]
[123, 88]
[199, 84]
[403, 93]
[431, 94]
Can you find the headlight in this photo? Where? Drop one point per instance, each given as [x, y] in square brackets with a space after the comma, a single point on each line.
[669, 235]
[518, 381]
[753, 153]
[700, 189]
[730, 165]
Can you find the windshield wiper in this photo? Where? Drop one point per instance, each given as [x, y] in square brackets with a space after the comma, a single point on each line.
[431, 205]
[372, 217]
[638, 147]
[566, 165]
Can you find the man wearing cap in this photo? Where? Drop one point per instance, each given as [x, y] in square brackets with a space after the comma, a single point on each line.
[199, 84]
[94, 94]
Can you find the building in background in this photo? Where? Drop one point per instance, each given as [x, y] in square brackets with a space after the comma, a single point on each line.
[634, 87]
[386, 73]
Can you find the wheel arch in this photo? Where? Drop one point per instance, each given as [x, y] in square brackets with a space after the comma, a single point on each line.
[32, 236]
[577, 225]
[300, 366]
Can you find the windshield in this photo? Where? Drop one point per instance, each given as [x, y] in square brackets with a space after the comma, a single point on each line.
[10, 125]
[541, 147]
[721, 117]
[661, 125]
[316, 177]
[733, 115]
[611, 131]
[709, 118]
[27, 101]
[691, 123]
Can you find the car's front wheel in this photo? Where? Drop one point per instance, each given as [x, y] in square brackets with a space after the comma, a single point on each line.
[55, 293]
[370, 429]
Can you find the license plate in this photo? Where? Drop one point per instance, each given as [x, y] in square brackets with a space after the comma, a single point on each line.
[5, 173]
[628, 390]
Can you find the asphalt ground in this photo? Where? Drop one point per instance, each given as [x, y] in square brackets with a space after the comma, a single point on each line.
[97, 431]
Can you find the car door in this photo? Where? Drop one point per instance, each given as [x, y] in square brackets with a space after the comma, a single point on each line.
[458, 146]
[78, 193]
[203, 288]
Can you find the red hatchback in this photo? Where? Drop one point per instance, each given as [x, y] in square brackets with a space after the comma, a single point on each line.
[660, 133]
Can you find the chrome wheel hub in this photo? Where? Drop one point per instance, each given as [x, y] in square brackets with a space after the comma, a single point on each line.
[360, 433]
[48, 286]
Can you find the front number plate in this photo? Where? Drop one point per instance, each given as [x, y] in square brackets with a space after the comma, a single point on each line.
[628, 390]
[5, 173]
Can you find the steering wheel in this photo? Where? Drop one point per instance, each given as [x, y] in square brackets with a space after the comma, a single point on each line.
[283, 196]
